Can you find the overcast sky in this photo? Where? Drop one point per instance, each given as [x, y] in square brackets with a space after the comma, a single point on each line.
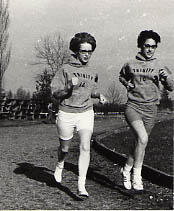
[114, 23]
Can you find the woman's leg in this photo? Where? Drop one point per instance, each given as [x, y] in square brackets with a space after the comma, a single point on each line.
[141, 143]
[65, 131]
[62, 153]
[63, 149]
[130, 159]
[139, 152]
[126, 170]
[84, 159]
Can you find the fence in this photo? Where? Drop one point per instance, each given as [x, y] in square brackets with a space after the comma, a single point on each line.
[22, 109]
[30, 110]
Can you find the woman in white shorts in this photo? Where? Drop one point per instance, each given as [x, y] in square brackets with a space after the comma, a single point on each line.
[75, 84]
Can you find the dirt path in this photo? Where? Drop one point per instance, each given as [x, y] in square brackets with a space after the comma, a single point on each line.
[27, 161]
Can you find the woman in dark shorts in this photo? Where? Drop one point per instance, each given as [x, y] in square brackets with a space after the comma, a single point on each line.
[143, 77]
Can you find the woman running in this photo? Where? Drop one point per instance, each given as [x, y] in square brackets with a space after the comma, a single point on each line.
[142, 77]
[75, 84]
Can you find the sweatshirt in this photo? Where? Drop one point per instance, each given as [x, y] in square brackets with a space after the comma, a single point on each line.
[145, 77]
[79, 99]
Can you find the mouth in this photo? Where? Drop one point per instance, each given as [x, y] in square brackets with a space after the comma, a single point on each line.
[86, 58]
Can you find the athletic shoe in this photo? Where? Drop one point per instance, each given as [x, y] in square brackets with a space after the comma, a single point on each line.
[82, 191]
[137, 183]
[81, 187]
[126, 179]
[58, 172]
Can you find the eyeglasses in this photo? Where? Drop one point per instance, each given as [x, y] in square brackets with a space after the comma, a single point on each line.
[85, 51]
[150, 46]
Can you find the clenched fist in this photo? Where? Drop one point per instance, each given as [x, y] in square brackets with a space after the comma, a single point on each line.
[75, 81]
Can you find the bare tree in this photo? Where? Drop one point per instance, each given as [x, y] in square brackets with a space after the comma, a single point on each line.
[22, 94]
[52, 52]
[114, 94]
[9, 94]
[43, 89]
[5, 50]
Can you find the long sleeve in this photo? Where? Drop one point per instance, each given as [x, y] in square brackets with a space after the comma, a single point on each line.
[95, 92]
[59, 85]
[125, 75]
[168, 82]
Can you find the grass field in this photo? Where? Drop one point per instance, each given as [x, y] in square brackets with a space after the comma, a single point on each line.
[28, 153]
[159, 151]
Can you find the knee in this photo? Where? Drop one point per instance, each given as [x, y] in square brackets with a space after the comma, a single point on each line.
[143, 139]
[85, 148]
[64, 148]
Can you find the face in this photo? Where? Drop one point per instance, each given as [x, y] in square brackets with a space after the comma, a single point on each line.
[148, 49]
[84, 53]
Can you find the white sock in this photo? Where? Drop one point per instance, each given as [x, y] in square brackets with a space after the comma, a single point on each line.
[81, 180]
[137, 171]
[83, 165]
[127, 167]
[60, 164]
[81, 186]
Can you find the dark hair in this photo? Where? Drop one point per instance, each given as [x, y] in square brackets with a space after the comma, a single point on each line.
[144, 35]
[80, 38]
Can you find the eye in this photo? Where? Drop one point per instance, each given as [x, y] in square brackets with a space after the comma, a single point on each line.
[150, 46]
[85, 51]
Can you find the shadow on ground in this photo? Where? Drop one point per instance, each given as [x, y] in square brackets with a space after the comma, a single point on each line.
[104, 181]
[45, 175]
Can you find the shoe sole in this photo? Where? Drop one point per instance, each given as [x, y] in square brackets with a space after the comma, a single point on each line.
[83, 195]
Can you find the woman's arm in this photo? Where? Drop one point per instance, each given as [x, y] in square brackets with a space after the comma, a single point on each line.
[165, 76]
[125, 77]
[61, 86]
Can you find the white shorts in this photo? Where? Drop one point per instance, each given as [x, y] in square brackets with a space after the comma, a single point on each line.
[67, 122]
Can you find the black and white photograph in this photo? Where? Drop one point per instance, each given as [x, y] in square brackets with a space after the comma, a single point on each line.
[86, 104]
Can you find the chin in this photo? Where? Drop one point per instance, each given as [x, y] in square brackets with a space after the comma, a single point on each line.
[149, 57]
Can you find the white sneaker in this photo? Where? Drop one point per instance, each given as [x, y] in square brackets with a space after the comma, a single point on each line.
[82, 191]
[81, 187]
[126, 179]
[137, 183]
[58, 172]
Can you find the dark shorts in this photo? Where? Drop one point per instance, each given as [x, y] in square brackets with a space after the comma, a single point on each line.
[146, 113]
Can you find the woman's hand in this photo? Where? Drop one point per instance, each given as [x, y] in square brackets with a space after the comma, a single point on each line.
[102, 99]
[73, 82]
[130, 85]
[163, 74]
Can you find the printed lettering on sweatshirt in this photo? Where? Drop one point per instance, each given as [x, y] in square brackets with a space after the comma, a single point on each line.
[144, 73]
[143, 70]
[86, 76]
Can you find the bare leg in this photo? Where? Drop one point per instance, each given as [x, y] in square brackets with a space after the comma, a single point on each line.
[63, 149]
[142, 140]
[130, 160]
[62, 153]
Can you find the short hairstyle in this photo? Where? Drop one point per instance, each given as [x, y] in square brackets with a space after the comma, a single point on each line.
[79, 38]
[144, 35]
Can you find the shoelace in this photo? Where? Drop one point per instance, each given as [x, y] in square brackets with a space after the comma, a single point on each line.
[138, 180]
[126, 178]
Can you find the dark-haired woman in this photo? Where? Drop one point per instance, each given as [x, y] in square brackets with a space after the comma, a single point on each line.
[75, 84]
[142, 77]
